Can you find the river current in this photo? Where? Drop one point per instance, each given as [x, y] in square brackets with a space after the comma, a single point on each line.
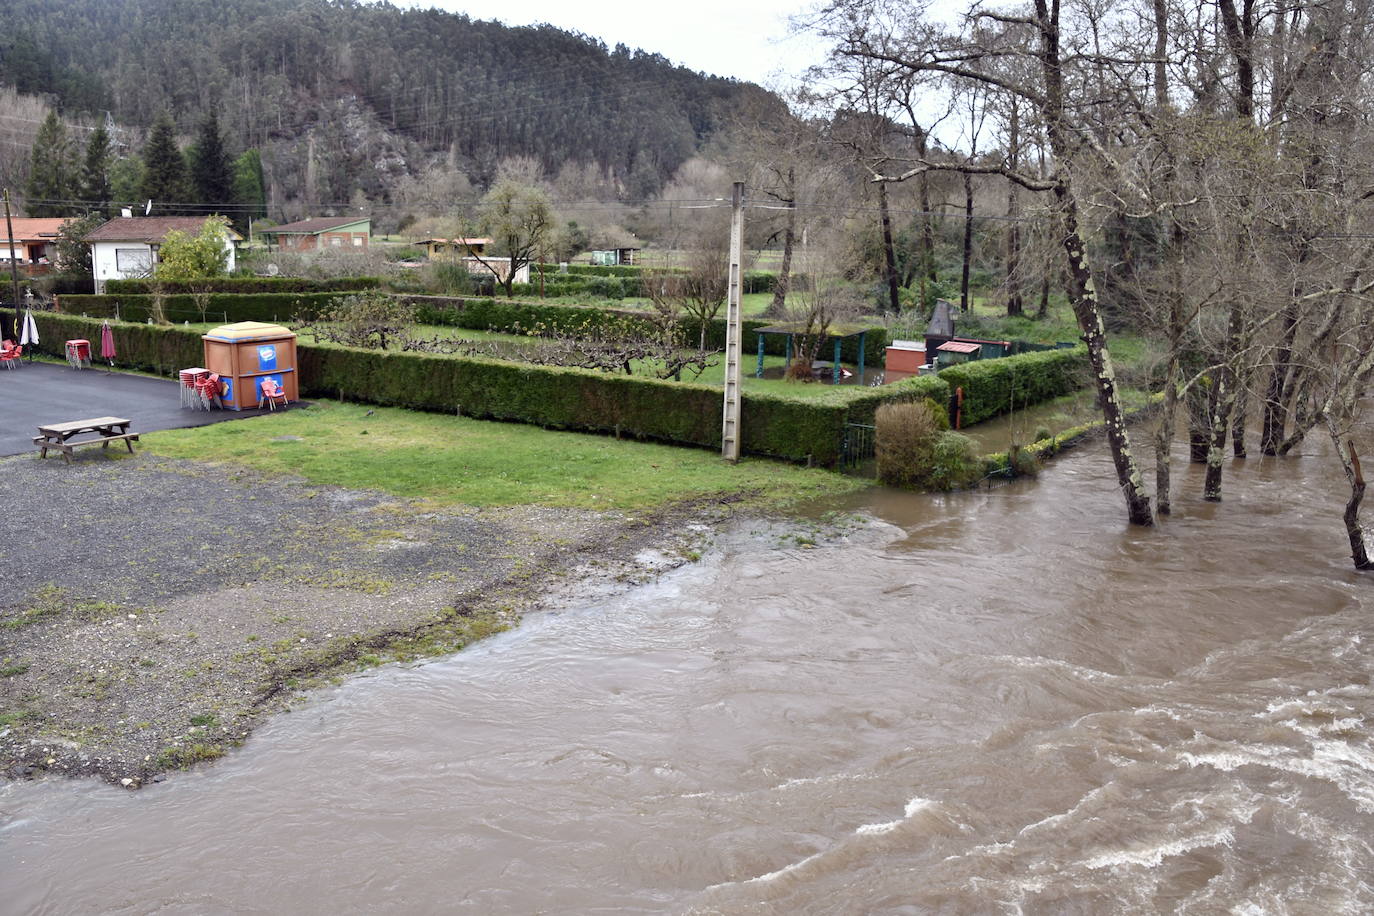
[1002, 701]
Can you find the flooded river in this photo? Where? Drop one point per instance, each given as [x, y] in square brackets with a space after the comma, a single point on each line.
[994, 702]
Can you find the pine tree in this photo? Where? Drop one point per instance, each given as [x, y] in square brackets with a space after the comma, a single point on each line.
[95, 189]
[165, 178]
[211, 172]
[250, 191]
[50, 187]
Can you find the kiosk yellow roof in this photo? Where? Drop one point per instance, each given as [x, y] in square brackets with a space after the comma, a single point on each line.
[249, 330]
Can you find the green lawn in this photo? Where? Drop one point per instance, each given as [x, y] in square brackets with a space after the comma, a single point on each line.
[459, 461]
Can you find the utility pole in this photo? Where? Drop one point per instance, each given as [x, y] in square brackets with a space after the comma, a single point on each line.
[730, 420]
[14, 266]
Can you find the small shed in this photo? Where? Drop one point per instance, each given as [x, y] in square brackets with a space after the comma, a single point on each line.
[905, 356]
[616, 257]
[244, 354]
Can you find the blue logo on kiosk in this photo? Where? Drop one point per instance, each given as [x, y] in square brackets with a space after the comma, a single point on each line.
[267, 357]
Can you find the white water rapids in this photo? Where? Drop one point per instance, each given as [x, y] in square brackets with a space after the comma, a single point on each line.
[1005, 701]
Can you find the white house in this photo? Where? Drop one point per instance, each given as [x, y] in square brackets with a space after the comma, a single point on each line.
[126, 248]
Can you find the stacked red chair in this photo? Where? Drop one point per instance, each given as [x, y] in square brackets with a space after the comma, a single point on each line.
[208, 390]
[190, 397]
[79, 353]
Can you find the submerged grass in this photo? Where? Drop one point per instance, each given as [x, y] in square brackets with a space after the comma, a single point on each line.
[456, 460]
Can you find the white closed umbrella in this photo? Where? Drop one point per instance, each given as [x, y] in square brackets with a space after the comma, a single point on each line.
[30, 335]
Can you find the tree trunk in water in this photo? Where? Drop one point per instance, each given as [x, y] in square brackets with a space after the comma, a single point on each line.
[1081, 290]
[1222, 400]
[965, 302]
[889, 256]
[1164, 439]
[1358, 553]
[1275, 417]
[1083, 298]
[1164, 435]
[1238, 418]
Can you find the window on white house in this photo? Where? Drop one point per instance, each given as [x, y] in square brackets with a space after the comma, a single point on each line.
[133, 261]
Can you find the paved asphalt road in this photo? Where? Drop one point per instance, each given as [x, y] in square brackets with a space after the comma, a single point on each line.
[40, 393]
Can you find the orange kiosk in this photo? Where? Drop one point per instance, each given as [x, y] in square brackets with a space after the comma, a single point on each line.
[245, 354]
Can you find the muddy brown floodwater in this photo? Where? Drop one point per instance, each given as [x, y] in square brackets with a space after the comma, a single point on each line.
[993, 702]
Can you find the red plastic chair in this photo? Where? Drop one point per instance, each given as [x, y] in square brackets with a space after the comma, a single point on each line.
[271, 393]
[190, 394]
[79, 352]
[209, 389]
[9, 357]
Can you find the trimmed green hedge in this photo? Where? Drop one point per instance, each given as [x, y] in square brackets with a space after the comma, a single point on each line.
[250, 285]
[504, 315]
[792, 428]
[797, 429]
[997, 386]
[599, 270]
[863, 405]
[157, 348]
[226, 307]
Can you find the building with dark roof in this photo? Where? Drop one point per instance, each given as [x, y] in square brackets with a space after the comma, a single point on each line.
[126, 248]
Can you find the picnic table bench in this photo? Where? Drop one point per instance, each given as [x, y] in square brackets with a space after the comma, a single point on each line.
[58, 436]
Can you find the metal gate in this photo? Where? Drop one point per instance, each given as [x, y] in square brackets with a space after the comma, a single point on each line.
[858, 444]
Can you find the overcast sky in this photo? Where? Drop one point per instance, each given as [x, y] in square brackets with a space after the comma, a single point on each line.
[748, 39]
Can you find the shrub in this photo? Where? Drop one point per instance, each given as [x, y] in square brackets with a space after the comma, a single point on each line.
[1022, 461]
[954, 464]
[605, 287]
[904, 442]
[449, 278]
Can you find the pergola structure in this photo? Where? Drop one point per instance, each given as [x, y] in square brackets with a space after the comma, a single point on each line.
[837, 332]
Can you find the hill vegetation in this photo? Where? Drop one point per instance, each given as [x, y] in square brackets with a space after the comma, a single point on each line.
[347, 98]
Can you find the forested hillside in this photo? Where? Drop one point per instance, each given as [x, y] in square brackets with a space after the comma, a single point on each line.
[368, 88]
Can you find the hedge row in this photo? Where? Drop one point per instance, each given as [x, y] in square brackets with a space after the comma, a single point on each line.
[250, 285]
[157, 348]
[505, 315]
[227, 307]
[755, 281]
[775, 425]
[600, 270]
[791, 428]
[997, 386]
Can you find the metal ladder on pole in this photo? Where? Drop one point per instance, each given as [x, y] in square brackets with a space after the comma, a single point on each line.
[730, 416]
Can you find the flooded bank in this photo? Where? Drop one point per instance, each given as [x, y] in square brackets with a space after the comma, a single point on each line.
[970, 702]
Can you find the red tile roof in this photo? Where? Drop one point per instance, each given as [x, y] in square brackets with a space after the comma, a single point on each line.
[149, 228]
[33, 228]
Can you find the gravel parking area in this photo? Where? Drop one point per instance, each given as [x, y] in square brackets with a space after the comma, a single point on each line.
[154, 610]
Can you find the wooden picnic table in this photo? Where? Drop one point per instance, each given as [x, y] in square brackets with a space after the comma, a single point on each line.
[59, 436]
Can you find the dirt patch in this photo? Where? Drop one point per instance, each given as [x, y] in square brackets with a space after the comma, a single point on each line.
[155, 611]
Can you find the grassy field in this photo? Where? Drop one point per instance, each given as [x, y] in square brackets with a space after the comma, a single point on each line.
[459, 461]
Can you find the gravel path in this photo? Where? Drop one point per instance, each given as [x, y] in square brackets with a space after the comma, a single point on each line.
[154, 611]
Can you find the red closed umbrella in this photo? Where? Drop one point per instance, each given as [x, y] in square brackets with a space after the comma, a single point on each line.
[107, 345]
